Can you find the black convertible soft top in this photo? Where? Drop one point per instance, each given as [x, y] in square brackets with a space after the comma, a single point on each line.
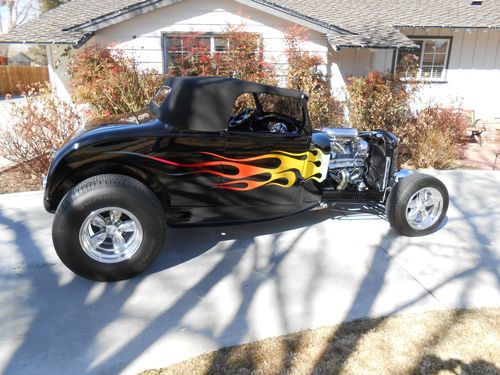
[205, 103]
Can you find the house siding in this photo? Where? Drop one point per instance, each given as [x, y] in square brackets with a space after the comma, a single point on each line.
[473, 71]
[474, 59]
[142, 36]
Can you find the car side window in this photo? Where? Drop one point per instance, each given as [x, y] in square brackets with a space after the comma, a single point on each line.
[243, 110]
[282, 105]
[243, 102]
[267, 113]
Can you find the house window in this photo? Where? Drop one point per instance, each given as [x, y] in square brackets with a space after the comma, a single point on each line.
[183, 51]
[430, 60]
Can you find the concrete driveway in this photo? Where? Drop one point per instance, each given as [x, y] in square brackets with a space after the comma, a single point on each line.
[215, 287]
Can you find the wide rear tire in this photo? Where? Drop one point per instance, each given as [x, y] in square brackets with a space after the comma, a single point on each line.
[417, 205]
[108, 228]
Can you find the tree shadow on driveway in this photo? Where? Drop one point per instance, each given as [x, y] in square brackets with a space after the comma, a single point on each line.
[59, 322]
[208, 289]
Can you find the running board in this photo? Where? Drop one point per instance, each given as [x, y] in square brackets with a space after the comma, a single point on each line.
[331, 196]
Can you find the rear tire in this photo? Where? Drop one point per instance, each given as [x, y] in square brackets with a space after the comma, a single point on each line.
[417, 205]
[108, 228]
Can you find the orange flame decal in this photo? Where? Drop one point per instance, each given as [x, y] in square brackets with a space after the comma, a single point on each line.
[309, 165]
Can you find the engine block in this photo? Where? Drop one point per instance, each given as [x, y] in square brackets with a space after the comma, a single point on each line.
[347, 164]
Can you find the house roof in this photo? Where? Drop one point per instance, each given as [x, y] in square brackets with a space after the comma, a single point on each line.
[362, 23]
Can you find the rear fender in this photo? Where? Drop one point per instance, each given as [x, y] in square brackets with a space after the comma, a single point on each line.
[65, 177]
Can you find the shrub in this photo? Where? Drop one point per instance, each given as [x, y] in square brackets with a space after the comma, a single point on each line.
[111, 82]
[195, 59]
[244, 59]
[305, 74]
[379, 101]
[435, 138]
[42, 122]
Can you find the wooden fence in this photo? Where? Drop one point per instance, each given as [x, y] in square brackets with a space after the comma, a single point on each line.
[15, 78]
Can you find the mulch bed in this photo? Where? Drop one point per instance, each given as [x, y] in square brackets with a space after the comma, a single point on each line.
[12, 180]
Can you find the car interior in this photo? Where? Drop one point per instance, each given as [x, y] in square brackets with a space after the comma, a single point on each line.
[267, 113]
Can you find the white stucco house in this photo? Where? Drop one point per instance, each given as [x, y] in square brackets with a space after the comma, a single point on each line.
[458, 41]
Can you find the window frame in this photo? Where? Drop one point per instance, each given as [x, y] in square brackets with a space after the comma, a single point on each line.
[179, 34]
[165, 45]
[443, 78]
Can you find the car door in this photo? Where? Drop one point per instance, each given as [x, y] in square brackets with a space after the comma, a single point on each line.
[264, 169]
[187, 169]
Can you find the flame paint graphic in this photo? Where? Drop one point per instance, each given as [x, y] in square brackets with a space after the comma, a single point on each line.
[309, 165]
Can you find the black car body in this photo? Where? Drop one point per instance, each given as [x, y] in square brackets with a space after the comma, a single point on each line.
[222, 150]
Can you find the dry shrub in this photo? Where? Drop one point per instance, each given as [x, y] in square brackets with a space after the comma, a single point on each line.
[305, 74]
[244, 58]
[111, 82]
[379, 101]
[435, 138]
[40, 123]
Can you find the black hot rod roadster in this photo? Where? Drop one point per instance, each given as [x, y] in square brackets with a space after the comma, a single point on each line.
[219, 150]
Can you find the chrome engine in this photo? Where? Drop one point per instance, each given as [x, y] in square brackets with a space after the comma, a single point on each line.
[347, 165]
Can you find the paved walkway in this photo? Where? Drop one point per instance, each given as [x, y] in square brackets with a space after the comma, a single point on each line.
[485, 156]
[227, 285]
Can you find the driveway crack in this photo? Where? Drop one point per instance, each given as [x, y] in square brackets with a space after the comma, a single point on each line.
[427, 290]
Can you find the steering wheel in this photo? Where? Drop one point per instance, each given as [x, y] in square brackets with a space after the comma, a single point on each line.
[241, 118]
[263, 123]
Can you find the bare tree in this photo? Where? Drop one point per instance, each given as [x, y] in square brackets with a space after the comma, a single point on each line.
[18, 11]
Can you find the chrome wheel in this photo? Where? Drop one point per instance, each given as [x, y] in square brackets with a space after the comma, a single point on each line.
[111, 235]
[424, 208]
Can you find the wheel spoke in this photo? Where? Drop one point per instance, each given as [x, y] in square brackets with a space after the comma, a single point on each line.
[111, 235]
[412, 215]
[115, 215]
[421, 196]
[127, 226]
[98, 239]
[118, 243]
[98, 221]
[424, 208]
[412, 204]
[424, 214]
[429, 202]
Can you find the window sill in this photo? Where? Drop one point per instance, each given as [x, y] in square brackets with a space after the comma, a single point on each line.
[426, 81]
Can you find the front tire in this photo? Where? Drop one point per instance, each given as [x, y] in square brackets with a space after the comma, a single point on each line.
[109, 228]
[417, 205]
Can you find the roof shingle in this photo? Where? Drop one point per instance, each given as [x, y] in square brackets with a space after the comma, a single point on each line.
[362, 23]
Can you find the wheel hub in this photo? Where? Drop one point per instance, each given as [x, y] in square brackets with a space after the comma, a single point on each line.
[424, 208]
[111, 235]
[111, 229]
